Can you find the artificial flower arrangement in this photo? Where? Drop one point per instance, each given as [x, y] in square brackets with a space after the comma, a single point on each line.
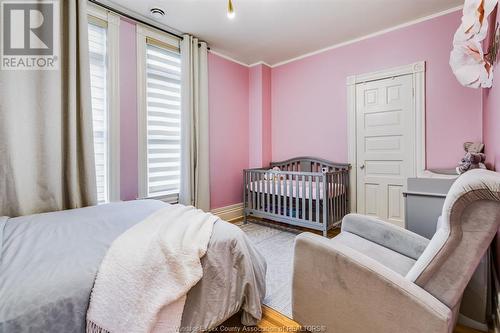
[472, 67]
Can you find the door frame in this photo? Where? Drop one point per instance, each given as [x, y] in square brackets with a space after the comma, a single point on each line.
[417, 70]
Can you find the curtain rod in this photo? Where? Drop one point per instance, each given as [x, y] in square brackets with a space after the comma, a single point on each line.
[119, 12]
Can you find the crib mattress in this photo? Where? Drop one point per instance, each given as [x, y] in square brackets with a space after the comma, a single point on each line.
[289, 188]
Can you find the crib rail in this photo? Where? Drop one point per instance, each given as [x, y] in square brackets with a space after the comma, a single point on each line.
[309, 164]
[316, 200]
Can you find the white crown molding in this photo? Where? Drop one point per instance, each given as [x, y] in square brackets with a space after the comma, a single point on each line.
[375, 34]
[148, 20]
[260, 63]
[228, 58]
[229, 213]
[351, 41]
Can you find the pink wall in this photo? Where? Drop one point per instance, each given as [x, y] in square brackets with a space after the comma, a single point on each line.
[259, 116]
[255, 116]
[228, 108]
[128, 112]
[267, 147]
[309, 95]
[491, 125]
[228, 90]
[491, 114]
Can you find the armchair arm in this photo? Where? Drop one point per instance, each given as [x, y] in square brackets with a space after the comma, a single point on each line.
[345, 291]
[385, 234]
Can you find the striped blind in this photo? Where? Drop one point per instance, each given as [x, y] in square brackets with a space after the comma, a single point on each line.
[163, 100]
[98, 89]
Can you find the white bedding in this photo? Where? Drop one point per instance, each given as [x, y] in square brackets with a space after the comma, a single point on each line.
[290, 187]
[48, 264]
[150, 267]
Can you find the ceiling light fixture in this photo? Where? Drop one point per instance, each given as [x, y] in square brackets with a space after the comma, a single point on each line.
[157, 12]
[230, 10]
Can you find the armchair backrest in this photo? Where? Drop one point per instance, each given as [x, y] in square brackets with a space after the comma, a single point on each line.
[470, 220]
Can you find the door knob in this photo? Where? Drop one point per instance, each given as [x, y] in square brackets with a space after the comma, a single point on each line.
[362, 166]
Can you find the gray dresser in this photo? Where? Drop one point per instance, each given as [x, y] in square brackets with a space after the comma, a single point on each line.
[424, 200]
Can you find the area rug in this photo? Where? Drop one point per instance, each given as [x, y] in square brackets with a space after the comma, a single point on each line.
[276, 245]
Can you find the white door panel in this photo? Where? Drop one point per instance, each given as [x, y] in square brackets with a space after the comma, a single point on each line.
[385, 146]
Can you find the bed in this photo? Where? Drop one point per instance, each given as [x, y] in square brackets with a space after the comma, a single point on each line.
[49, 261]
[303, 191]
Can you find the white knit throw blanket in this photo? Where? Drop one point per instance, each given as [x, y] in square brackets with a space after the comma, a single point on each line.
[148, 269]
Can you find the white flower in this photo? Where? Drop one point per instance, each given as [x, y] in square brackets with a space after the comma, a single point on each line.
[467, 59]
[475, 19]
[468, 65]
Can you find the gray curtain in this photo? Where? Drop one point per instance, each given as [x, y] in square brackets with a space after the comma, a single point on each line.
[46, 142]
[195, 184]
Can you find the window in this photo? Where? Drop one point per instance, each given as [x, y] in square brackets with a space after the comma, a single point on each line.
[160, 142]
[103, 46]
[98, 90]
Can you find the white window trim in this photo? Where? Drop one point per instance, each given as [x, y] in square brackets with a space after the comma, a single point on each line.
[142, 33]
[113, 84]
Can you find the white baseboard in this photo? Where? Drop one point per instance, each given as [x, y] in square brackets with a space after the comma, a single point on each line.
[229, 213]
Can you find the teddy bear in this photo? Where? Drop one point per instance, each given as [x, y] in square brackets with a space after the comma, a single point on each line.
[473, 159]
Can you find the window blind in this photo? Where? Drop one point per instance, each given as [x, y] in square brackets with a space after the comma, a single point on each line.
[98, 74]
[163, 101]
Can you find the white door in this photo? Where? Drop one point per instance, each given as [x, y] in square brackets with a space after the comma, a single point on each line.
[385, 134]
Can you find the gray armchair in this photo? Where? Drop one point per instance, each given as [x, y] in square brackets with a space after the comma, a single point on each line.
[376, 277]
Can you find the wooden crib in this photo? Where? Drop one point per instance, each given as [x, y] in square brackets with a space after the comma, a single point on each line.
[306, 192]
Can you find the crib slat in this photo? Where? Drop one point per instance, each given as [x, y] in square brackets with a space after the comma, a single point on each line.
[291, 195]
[310, 212]
[268, 193]
[341, 196]
[273, 193]
[344, 194]
[344, 190]
[249, 189]
[245, 190]
[262, 191]
[258, 182]
[297, 195]
[325, 201]
[258, 189]
[336, 203]
[303, 215]
[329, 197]
[255, 194]
[285, 197]
[252, 187]
[263, 178]
[316, 182]
[279, 195]
[338, 197]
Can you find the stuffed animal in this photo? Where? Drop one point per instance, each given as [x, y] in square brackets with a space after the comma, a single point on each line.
[473, 159]
[271, 176]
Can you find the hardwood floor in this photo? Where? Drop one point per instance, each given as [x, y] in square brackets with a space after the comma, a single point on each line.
[273, 321]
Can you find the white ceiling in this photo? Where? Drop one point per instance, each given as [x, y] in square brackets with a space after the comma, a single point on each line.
[273, 31]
